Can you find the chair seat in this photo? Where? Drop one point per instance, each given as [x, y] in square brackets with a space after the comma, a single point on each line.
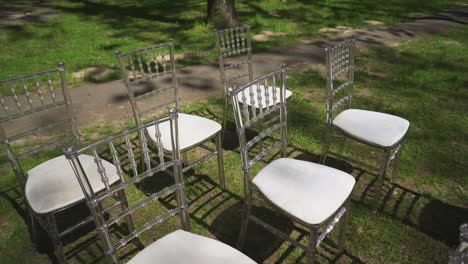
[255, 101]
[52, 185]
[308, 191]
[181, 247]
[378, 129]
[192, 131]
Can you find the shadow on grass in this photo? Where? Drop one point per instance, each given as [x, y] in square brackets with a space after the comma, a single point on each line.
[218, 212]
[82, 245]
[127, 17]
[430, 216]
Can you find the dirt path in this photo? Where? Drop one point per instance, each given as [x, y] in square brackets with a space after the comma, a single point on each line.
[107, 102]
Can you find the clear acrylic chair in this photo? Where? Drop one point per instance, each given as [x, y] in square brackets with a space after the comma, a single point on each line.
[38, 104]
[312, 195]
[150, 77]
[234, 47]
[379, 130]
[180, 246]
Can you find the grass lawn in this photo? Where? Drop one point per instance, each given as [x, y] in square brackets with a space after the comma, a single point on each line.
[423, 80]
[84, 35]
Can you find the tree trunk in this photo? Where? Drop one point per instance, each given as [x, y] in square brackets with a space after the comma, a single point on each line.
[221, 13]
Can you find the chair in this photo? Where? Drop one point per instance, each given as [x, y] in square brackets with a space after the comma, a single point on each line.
[236, 65]
[180, 246]
[313, 195]
[150, 72]
[39, 105]
[381, 131]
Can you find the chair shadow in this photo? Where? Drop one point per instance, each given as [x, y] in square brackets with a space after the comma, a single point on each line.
[219, 212]
[81, 246]
[90, 250]
[14, 196]
[259, 243]
[426, 214]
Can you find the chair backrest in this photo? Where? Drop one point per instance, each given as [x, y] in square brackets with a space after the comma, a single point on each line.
[271, 119]
[234, 48]
[123, 148]
[340, 76]
[150, 72]
[31, 105]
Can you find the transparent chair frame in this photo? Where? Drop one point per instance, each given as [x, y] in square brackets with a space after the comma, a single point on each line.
[31, 95]
[151, 63]
[234, 48]
[340, 69]
[97, 201]
[229, 43]
[246, 117]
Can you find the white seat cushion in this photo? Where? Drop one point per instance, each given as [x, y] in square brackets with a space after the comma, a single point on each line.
[262, 93]
[376, 128]
[192, 130]
[53, 185]
[311, 192]
[181, 247]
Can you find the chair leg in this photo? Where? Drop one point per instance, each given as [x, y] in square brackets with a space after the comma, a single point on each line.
[380, 180]
[219, 151]
[32, 223]
[142, 162]
[343, 227]
[326, 147]
[396, 164]
[260, 127]
[312, 248]
[223, 129]
[123, 206]
[56, 240]
[244, 225]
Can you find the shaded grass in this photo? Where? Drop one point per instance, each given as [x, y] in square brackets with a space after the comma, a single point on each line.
[87, 34]
[423, 80]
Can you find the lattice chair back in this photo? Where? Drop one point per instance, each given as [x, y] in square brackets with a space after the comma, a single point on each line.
[34, 105]
[235, 55]
[122, 149]
[149, 72]
[340, 76]
[271, 120]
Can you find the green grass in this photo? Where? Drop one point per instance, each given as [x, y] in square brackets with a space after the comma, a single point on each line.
[423, 80]
[84, 35]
